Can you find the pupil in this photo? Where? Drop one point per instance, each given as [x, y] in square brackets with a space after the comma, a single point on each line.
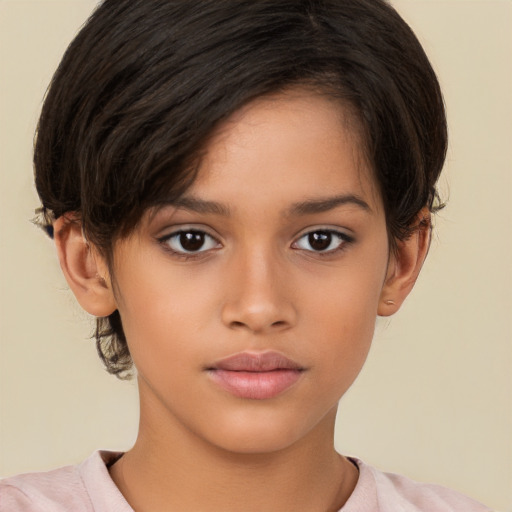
[192, 241]
[320, 240]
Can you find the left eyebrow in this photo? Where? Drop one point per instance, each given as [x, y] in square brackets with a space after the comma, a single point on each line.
[325, 204]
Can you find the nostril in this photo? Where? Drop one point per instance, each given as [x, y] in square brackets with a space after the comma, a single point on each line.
[240, 325]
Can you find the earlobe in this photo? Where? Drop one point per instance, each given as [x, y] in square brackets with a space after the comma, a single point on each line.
[404, 266]
[85, 271]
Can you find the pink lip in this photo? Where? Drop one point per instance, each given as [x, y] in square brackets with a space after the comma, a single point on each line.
[256, 376]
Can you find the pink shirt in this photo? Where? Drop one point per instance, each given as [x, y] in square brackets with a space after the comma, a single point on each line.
[88, 487]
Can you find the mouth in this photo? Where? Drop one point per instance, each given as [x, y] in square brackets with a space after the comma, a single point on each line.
[257, 376]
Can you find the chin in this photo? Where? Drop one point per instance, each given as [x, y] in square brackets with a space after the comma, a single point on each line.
[267, 433]
[257, 443]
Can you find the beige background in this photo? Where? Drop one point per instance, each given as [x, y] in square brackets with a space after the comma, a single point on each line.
[435, 399]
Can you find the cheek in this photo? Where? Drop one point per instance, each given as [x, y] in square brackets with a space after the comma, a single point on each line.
[342, 315]
[346, 300]
[155, 295]
[155, 308]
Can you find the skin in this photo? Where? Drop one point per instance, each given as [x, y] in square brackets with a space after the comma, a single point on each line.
[275, 172]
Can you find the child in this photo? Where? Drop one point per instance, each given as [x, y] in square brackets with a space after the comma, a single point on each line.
[236, 190]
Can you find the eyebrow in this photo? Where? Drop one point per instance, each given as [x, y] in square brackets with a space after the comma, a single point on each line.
[308, 207]
[197, 205]
[325, 204]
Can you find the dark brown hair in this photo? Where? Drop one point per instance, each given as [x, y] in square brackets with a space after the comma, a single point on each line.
[145, 82]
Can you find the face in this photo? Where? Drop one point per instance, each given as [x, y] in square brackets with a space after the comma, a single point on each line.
[249, 306]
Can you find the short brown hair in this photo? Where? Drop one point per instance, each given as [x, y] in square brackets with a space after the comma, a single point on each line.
[145, 82]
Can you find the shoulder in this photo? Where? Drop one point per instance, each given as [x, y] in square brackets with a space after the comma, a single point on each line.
[75, 488]
[60, 489]
[389, 492]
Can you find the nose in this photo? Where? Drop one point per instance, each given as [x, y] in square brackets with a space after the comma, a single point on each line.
[258, 299]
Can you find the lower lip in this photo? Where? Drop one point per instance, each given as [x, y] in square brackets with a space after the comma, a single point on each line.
[256, 385]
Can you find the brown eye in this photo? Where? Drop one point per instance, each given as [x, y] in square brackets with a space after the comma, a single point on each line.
[322, 241]
[192, 241]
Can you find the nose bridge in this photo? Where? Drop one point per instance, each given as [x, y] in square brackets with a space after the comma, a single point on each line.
[256, 299]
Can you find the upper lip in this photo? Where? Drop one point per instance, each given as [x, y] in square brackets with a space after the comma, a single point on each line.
[256, 362]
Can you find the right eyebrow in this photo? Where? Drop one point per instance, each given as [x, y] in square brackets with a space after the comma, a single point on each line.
[197, 205]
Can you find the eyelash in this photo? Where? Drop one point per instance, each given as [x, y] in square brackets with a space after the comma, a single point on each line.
[343, 238]
[165, 241]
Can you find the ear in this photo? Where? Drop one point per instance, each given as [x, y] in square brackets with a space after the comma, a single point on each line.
[84, 269]
[405, 265]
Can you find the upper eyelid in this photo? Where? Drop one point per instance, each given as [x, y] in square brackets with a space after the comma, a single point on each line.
[345, 238]
[167, 236]
[345, 232]
[171, 231]
[165, 240]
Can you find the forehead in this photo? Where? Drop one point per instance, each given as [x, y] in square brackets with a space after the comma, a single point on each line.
[293, 144]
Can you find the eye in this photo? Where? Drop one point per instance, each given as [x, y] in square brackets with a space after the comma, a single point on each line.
[322, 240]
[190, 241]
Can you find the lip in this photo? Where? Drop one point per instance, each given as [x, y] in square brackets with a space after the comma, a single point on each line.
[256, 376]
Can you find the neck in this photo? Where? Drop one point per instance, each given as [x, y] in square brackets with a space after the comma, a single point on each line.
[170, 468]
